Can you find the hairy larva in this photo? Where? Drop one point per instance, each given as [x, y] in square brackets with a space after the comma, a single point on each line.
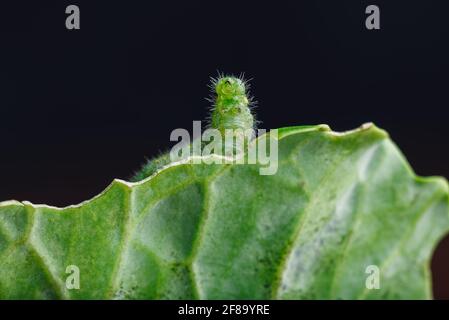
[231, 104]
[231, 109]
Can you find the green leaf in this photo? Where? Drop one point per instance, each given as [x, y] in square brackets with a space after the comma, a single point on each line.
[339, 203]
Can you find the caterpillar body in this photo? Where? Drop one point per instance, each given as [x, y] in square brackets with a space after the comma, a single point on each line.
[231, 109]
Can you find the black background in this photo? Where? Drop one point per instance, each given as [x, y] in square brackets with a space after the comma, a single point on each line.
[81, 107]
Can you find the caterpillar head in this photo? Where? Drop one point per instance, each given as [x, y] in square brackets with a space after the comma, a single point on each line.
[228, 87]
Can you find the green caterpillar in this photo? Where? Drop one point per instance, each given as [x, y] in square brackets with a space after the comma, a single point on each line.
[231, 109]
